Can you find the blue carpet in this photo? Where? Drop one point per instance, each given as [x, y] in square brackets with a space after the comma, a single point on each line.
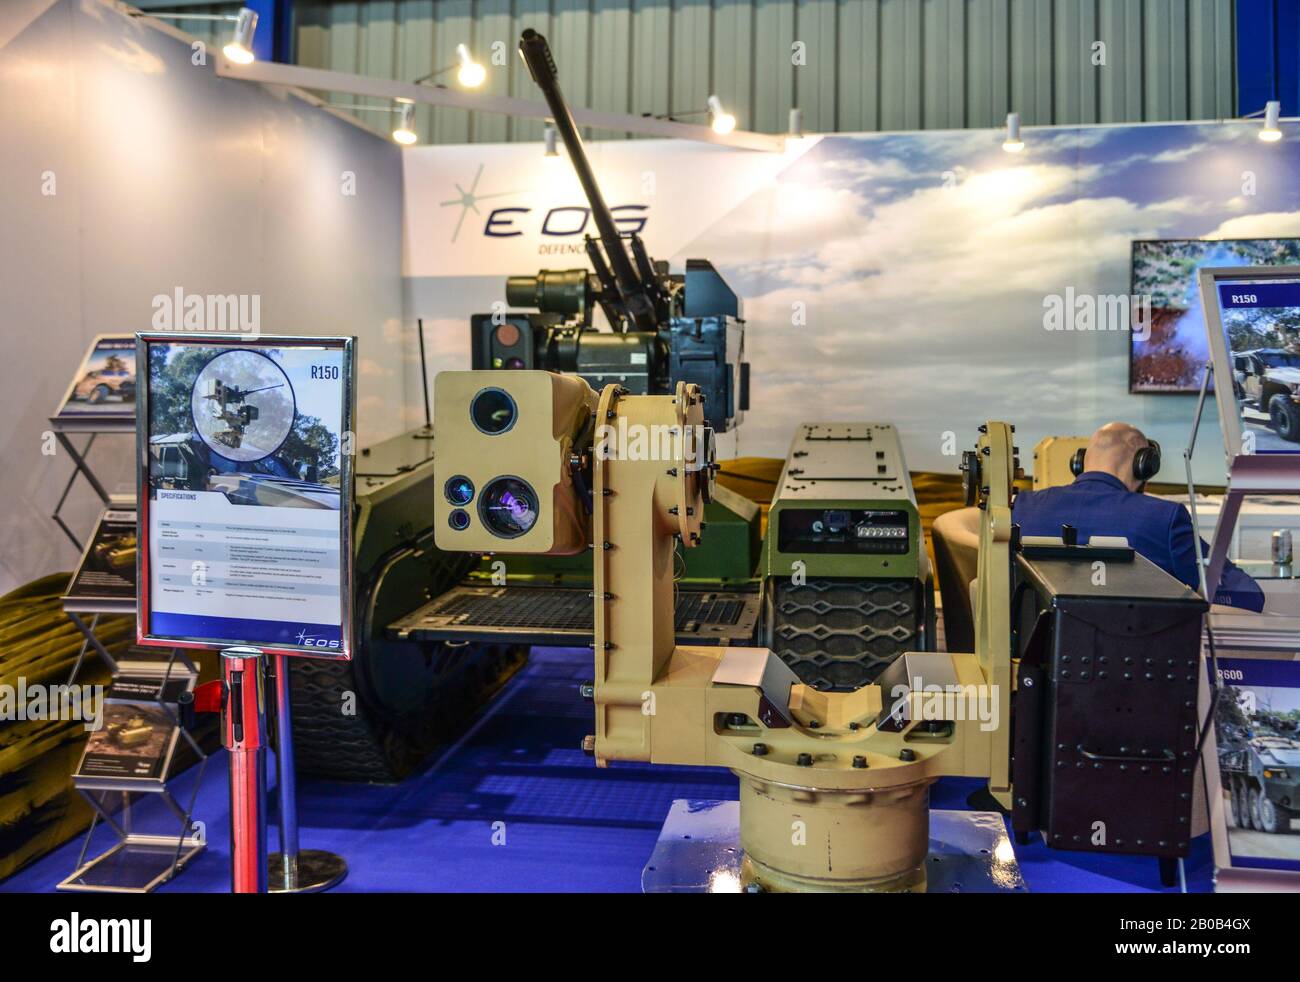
[517, 806]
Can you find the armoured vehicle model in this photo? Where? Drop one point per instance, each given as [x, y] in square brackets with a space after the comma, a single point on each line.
[133, 733]
[408, 695]
[117, 551]
[1267, 380]
[1261, 774]
[114, 380]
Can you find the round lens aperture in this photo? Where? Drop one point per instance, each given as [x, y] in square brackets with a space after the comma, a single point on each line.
[508, 507]
[459, 490]
[493, 411]
[459, 520]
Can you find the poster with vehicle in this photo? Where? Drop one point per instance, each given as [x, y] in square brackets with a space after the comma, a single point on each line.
[246, 492]
[1169, 353]
[104, 385]
[135, 743]
[1261, 326]
[1257, 731]
[104, 581]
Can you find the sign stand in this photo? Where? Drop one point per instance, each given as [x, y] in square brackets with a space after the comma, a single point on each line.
[292, 870]
[1248, 474]
[243, 733]
[290, 518]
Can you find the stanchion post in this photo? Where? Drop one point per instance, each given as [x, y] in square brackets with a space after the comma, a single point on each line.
[243, 733]
[292, 870]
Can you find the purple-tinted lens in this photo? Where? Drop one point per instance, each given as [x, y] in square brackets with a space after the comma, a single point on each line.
[508, 507]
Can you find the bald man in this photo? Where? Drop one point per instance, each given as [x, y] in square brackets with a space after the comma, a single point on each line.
[1107, 499]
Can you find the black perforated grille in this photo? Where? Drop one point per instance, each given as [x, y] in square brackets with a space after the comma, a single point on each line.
[840, 634]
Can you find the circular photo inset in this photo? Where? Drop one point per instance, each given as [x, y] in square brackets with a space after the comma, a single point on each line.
[243, 405]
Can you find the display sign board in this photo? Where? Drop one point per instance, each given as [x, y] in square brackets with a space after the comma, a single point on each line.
[246, 492]
[102, 393]
[1253, 319]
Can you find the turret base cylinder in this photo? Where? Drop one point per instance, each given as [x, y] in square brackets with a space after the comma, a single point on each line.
[804, 839]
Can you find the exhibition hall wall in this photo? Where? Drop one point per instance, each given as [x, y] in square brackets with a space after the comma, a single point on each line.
[903, 277]
[128, 173]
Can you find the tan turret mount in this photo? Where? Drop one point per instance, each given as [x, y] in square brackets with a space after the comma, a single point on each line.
[834, 787]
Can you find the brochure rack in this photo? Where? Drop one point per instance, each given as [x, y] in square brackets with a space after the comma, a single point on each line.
[131, 756]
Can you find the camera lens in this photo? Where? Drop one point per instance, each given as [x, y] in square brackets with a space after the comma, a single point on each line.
[493, 411]
[459, 490]
[508, 507]
[459, 520]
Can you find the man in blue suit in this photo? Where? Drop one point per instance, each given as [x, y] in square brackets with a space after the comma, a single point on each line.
[1107, 499]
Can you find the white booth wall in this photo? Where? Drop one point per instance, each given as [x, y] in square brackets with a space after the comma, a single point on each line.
[893, 277]
[127, 172]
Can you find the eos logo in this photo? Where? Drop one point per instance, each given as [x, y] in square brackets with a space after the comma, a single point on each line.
[307, 641]
[565, 220]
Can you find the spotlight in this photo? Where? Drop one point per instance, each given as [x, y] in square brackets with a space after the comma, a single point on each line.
[404, 131]
[471, 74]
[1013, 143]
[723, 122]
[1271, 132]
[240, 48]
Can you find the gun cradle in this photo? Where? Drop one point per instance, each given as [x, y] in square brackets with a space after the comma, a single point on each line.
[834, 786]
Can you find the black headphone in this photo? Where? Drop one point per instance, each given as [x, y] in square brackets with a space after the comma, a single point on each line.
[1146, 462]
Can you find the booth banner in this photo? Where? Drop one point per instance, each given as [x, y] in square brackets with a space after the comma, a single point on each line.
[929, 279]
[245, 496]
[505, 209]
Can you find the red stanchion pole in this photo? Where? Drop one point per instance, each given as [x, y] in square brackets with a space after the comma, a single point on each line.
[243, 733]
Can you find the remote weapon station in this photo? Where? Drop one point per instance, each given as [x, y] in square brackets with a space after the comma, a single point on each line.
[541, 463]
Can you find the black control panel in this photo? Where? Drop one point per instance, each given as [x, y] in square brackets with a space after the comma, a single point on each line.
[848, 531]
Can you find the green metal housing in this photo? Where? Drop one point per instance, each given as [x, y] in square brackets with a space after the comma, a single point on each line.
[845, 466]
[846, 581]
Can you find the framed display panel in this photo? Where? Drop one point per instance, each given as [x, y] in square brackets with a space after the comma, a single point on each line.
[1167, 358]
[245, 491]
[1252, 317]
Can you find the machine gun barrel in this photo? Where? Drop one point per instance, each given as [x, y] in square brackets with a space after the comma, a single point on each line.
[636, 295]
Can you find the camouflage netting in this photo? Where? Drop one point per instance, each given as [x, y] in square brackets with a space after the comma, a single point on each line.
[38, 808]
